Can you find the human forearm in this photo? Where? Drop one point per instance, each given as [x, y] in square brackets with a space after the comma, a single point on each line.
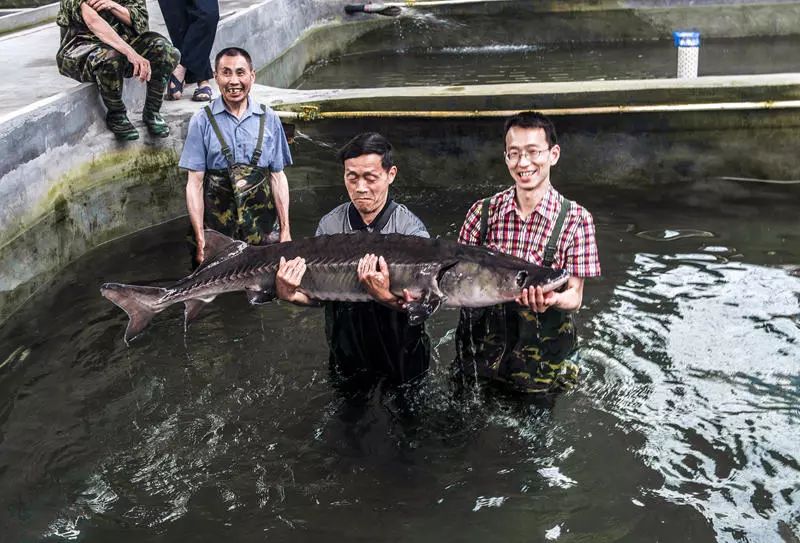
[288, 279]
[568, 301]
[280, 192]
[118, 11]
[298, 298]
[121, 13]
[571, 298]
[100, 28]
[195, 204]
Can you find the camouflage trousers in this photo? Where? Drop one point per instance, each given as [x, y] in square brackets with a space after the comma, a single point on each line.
[512, 345]
[238, 203]
[89, 60]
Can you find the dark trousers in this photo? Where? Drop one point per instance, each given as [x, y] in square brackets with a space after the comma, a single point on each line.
[192, 25]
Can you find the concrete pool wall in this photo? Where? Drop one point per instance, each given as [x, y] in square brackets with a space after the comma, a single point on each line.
[67, 186]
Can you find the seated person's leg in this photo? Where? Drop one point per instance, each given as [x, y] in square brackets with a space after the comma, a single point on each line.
[108, 68]
[163, 58]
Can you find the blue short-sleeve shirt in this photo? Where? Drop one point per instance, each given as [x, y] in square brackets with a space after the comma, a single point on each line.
[202, 150]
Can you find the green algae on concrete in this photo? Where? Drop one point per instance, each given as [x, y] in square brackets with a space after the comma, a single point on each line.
[118, 194]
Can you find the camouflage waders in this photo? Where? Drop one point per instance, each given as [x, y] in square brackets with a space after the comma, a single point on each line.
[238, 201]
[511, 344]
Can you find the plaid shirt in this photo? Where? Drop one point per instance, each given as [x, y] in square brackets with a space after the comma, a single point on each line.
[576, 250]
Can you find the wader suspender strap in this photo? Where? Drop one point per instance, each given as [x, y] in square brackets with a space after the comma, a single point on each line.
[259, 145]
[552, 242]
[226, 151]
[485, 220]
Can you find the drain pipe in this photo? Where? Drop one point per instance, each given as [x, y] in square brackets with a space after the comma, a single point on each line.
[393, 9]
[313, 113]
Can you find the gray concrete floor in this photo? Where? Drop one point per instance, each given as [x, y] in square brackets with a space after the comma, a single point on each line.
[32, 52]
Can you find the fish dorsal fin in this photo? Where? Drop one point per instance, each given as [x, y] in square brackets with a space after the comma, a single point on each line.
[217, 244]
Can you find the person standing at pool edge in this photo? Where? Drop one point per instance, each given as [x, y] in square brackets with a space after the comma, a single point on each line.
[524, 344]
[192, 26]
[233, 146]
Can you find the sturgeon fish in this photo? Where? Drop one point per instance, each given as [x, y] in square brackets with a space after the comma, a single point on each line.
[435, 271]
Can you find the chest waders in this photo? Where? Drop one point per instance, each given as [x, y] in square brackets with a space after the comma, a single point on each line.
[511, 344]
[238, 201]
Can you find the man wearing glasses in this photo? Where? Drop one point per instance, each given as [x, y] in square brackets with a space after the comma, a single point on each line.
[524, 344]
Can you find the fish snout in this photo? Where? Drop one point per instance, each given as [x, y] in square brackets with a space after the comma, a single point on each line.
[551, 280]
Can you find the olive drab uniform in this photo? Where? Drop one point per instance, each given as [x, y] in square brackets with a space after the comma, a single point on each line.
[511, 344]
[238, 201]
[82, 56]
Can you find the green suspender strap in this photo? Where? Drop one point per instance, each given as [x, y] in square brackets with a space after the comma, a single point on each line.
[484, 220]
[226, 151]
[552, 242]
[259, 141]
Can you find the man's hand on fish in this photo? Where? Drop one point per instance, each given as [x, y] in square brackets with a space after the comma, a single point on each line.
[537, 300]
[373, 272]
[287, 280]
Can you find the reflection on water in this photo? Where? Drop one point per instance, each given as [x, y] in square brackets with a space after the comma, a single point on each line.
[683, 428]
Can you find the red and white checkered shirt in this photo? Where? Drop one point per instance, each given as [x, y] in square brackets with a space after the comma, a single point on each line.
[576, 250]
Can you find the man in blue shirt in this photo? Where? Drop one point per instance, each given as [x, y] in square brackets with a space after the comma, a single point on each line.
[233, 145]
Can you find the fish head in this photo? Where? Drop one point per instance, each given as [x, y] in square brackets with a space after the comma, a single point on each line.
[476, 284]
[540, 276]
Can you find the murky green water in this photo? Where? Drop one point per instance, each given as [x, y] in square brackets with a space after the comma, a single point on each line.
[683, 428]
[429, 50]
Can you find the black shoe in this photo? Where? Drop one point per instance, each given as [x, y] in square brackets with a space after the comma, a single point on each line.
[121, 126]
[156, 125]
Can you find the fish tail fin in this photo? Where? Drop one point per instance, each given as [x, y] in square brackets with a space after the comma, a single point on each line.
[137, 301]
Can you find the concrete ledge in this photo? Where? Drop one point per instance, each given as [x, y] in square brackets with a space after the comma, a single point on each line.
[519, 96]
[28, 17]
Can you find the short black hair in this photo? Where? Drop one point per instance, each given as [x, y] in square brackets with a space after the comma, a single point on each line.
[233, 52]
[533, 119]
[368, 143]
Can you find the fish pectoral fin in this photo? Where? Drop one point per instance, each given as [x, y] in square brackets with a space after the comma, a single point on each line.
[192, 310]
[420, 310]
[256, 297]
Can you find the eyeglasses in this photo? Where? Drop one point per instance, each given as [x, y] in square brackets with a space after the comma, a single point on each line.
[514, 156]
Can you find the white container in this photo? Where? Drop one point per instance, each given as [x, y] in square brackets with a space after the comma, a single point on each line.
[688, 44]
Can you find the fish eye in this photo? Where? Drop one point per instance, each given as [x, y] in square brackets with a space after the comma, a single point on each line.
[521, 277]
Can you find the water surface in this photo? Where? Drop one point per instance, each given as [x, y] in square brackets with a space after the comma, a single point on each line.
[683, 427]
[428, 50]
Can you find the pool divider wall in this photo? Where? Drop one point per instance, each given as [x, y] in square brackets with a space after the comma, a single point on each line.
[468, 99]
